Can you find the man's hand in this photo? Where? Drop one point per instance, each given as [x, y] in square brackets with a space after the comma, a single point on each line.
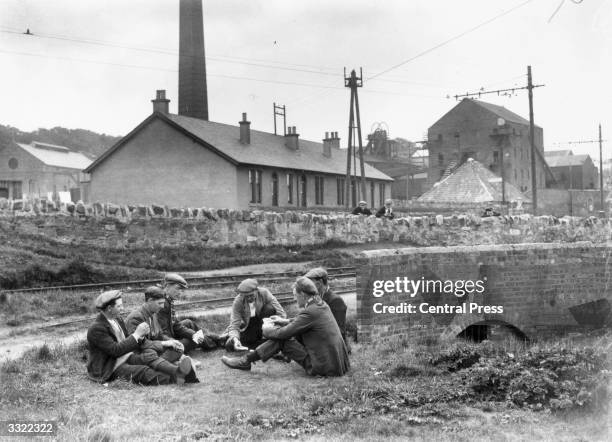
[238, 345]
[279, 320]
[174, 345]
[141, 331]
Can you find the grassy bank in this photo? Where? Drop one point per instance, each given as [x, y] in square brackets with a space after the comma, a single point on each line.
[425, 391]
[38, 261]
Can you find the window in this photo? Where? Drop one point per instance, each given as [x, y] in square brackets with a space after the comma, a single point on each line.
[372, 191]
[255, 182]
[496, 157]
[289, 188]
[319, 190]
[439, 137]
[275, 189]
[302, 195]
[381, 191]
[13, 163]
[340, 191]
[440, 159]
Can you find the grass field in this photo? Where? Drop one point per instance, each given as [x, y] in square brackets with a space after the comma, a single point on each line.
[394, 391]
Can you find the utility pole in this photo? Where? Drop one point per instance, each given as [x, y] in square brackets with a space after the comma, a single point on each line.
[281, 111]
[530, 86]
[353, 82]
[534, 193]
[601, 190]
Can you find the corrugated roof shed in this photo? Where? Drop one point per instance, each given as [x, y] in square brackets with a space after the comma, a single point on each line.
[471, 183]
[58, 156]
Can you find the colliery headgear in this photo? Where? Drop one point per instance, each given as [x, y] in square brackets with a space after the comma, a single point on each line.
[154, 292]
[248, 285]
[107, 298]
[175, 278]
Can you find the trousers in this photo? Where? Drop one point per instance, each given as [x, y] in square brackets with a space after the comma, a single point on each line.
[291, 348]
[136, 369]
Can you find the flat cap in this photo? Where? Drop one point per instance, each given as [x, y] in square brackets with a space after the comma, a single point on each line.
[363, 203]
[316, 273]
[248, 285]
[106, 298]
[175, 278]
[154, 292]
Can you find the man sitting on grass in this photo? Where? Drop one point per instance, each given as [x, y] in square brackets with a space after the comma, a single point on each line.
[157, 350]
[312, 338]
[185, 331]
[114, 354]
[251, 305]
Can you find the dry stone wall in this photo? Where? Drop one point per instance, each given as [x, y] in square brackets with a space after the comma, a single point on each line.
[110, 225]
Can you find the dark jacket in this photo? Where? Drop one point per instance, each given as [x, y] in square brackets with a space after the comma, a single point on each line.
[381, 213]
[241, 311]
[338, 308]
[155, 335]
[359, 211]
[104, 349]
[321, 337]
[171, 327]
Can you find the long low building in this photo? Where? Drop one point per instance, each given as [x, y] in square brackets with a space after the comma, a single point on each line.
[182, 161]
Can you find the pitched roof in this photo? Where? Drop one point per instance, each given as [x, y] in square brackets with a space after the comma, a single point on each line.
[564, 161]
[58, 156]
[554, 153]
[502, 112]
[471, 183]
[265, 149]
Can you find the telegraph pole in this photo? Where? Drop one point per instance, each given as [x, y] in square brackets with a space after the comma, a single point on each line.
[601, 189]
[534, 193]
[280, 111]
[353, 82]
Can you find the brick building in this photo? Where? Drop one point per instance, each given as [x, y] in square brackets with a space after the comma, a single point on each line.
[182, 161]
[39, 170]
[572, 171]
[490, 134]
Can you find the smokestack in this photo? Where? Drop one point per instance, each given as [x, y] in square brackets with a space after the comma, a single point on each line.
[193, 96]
[245, 130]
[291, 138]
[161, 103]
[335, 140]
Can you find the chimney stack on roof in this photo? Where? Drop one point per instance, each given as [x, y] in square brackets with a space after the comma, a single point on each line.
[292, 138]
[245, 130]
[161, 103]
[331, 140]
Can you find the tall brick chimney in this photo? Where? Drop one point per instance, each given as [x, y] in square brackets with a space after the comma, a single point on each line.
[335, 140]
[292, 138]
[193, 96]
[245, 130]
[161, 103]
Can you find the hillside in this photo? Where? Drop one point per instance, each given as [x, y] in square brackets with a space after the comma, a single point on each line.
[90, 143]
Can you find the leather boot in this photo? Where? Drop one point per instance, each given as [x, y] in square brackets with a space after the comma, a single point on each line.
[185, 367]
[240, 363]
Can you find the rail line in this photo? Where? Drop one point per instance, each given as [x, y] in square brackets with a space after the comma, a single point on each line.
[194, 281]
[283, 297]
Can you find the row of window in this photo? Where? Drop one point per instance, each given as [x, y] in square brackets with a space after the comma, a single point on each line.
[296, 186]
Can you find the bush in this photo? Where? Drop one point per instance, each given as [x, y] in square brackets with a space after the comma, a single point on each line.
[458, 357]
[555, 378]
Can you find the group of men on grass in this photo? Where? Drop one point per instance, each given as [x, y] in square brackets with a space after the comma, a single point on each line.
[150, 347]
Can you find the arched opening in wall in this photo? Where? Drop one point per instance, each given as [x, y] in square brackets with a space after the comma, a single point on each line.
[492, 331]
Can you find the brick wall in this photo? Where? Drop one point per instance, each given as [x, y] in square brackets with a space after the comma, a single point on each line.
[536, 284]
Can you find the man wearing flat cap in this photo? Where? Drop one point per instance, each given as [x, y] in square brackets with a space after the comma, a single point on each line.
[386, 211]
[251, 305]
[158, 350]
[336, 303]
[186, 331]
[362, 209]
[113, 353]
[312, 338]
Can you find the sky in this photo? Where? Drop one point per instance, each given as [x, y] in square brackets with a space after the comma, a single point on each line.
[97, 64]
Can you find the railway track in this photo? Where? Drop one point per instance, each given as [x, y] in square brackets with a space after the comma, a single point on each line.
[283, 297]
[194, 281]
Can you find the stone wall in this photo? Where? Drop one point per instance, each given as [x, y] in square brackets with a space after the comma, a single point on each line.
[111, 225]
[543, 289]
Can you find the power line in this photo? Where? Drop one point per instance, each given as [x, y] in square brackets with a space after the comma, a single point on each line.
[444, 43]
